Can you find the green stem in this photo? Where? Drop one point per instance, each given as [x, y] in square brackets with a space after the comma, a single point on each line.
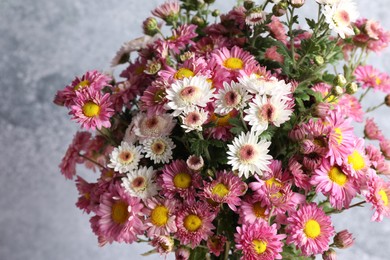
[227, 249]
[243, 121]
[206, 150]
[290, 20]
[364, 94]
[370, 109]
[92, 161]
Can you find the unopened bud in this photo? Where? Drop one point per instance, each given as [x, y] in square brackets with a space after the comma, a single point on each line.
[329, 255]
[198, 21]
[150, 26]
[340, 80]
[195, 163]
[216, 13]
[343, 239]
[337, 91]
[152, 67]
[187, 55]
[209, 1]
[387, 100]
[248, 4]
[319, 60]
[297, 3]
[280, 9]
[356, 30]
[351, 88]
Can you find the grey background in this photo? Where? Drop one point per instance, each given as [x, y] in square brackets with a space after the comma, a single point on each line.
[43, 45]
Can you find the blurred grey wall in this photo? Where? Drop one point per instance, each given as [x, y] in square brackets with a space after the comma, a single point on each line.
[43, 45]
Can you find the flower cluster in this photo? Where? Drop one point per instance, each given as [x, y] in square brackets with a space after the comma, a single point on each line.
[232, 139]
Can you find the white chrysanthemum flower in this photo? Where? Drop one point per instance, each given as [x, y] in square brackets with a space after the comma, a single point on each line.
[340, 17]
[140, 183]
[248, 155]
[232, 96]
[127, 48]
[256, 17]
[146, 126]
[328, 2]
[263, 111]
[187, 93]
[125, 157]
[159, 149]
[194, 119]
[266, 86]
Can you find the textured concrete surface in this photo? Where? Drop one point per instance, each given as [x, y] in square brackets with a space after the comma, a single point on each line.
[43, 45]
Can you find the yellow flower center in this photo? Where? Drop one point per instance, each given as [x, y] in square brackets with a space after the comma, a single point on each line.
[339, 137]
[184, 73]
[82, 84]
[221, 120]
[233, 63]
[192, 223]
[182, 180]
[159, 215]
[357, 161]
[312, 229]
[258, 210]
[337, 176]
[384, 197]
[158, 147]
[126, 157]
[90, 109]
[159, 96]
[378, 81]
[273, 182]
[119, 212]
[220, 190]
[259, 246]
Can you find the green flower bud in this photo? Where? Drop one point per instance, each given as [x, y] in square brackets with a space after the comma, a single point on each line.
[351, 88]
[280, 9]
[387, 100]
[150, 26]
[319, 60]
[216, 13]
[198, 21]
[337, 91]
[249, 4]
[340, 80]
[297, 3]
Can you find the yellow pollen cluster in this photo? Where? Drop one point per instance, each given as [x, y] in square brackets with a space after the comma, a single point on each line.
[233, 63]
[91, 109]
[312, 229]
[258, 210]
[119, 212]
[82, 84]
[221, 190]
[357, 161]
[192, 223]
[337, 176]
[378, 81]
[259, 246]
[159, 215]
[182, 180]
[273, 182]
[221, 120]
[384, 197]
[184, 73]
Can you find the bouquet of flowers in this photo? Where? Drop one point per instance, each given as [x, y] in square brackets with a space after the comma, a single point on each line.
[232, 136]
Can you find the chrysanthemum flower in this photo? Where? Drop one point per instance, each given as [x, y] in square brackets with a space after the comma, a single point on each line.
[158, 149]
[163, 244]
[168, 10]
[248, 155]
[378, 195]
[146, 126]
[255, 17]
[254, 209]
[125, 157]
[181, 37]
[263, 111]
[194, 223]
[195, 163]
[356, 162]
[185, 94]
[259, 241]
[92, 109]
[334, 183]
[372, 131]
[309, 229]
[226, 188]
[369, 77]
[153, 98]
[160, 217]
[193, 119]
[232, 96]
[85, 189]
[119, 216]
[233, 60]
[182, 253]
[140, 183]
[377, 160]
[216, 244]
[178, 179]
[385, 147]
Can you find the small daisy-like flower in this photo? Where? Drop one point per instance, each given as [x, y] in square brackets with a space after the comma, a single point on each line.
[378, 195]
[259, 241]
[195, 163]
[194, 223]
[216, 244]
[160, 217]
[187, 93]
[140, 183]
[340, 17]
[255, 17]
[85, 189]
[234, 59]
[254, 209]
[92, 109]
[309, 229]
[158, 149]
[168, 10]
[263, 111]
[357, 162]
[248, 155]
[372, 131]
[178, 179]
[146, 126]
[194, 119]
[163, 244]
[226, 188]
[369, 77]
[182, 253]
[333, 182]
[232, 96]
[125, 157]
[266, 85]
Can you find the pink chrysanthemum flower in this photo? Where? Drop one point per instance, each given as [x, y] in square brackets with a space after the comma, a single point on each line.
[68, 163]
[163, 244]
[146, 126]
[120, 216]
[153, 98]
[385, 147]
[254, 209]
[369, 77]
[372, 131]
[91, 79]
[259, 241]
[309, 229]
[168, 10]
[216, 244]
[206, 45]
[351, 107]
[301, 177]
[178, 179]
[85, 189]
[182, 253]
[277, 29]
[226, 188]
[233, 60]
[356, 163]
[378, 195]
[272, 54]
[181, 37]
[341, 137]
[331, 181]
[194, 223]
[194, 66]
[160, 217]
[377, 159]
[92, 109]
